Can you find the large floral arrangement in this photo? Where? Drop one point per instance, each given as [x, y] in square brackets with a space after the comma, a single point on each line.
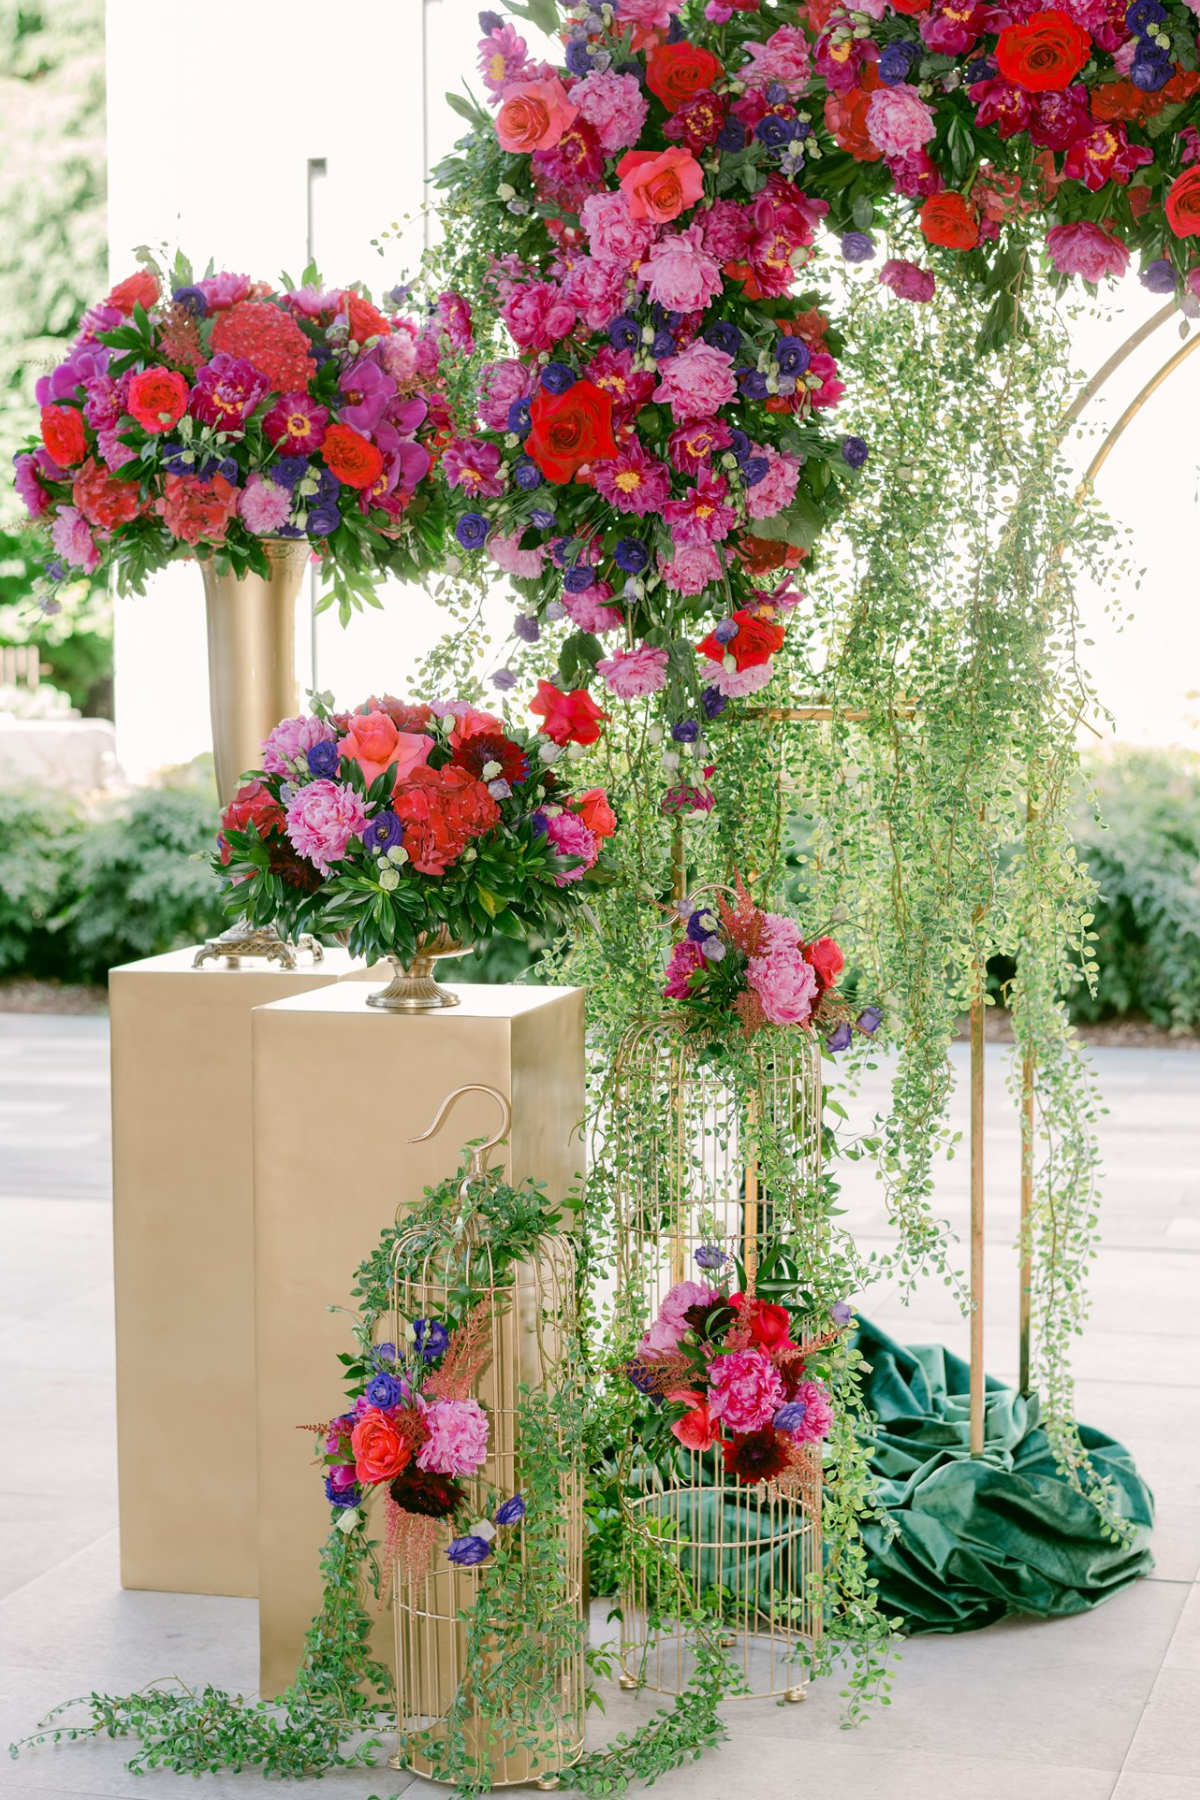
[725, 1368]
[200, 416]
[738, 961]
[400, 819]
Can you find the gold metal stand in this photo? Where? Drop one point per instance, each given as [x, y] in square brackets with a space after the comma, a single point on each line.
[251, 655]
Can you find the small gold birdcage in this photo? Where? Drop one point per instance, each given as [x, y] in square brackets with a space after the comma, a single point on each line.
[445, 1665]
[682, 1149]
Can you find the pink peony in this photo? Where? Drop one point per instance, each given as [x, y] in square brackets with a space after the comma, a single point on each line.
[458, 1438]
[777, 934]
[613, 234]
[728, 229]
[474, 465]
[398, 353]
[632, 674]
[1087, 250]
[590, 610]
[818, 1413]
[225, 290]
[906, 280]
[507, 554]
[29, 488]
[114, 453]
[686, 958]
[785, 984]
[671, 1324]
[679, 273]
[597, 290]
[500, 383]
[648, 15]
[898, 120]
[692, 568]
[696, 382]
[322, 817]
[744, 1389]
[263, 506]
[285, 751]
[784, 58]
[632, 481]
[735, 684]
[73, 541]
[571, 837]
[538, 315]
[614, 106]
[777, 487]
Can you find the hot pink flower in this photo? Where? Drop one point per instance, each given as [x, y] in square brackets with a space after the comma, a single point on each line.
[29, 488]
[679, 272]
[473, 465]
[728, 229]
[458, 1438]
[632, 481]
[225, 290]
[571, 837]
[907, 280]
[692, 568]
[613, 234]
[686, 958]
[632, 674]
[507, 554]
[1000, 103]
[630, 388]
[744, 1389]
[703, 514]
[696, 383]
[365, 392]
[777, 487]
[898, 120]
[263, 505]
[590, 610]
[538, 315]
[227, 390]
[597, 289]
[503, 57]
[614, 106]
[322, 817]
[296, 424]
[500, 383]
[73, 541]
[1104, 154]
[1087, 250]
[818, 1413]
[671, 1322]
[785, 984]
[285, 750]
[784, 58]
[454, 316]
[692, 447]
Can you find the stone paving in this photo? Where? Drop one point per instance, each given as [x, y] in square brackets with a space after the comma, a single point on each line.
[1103, 1707]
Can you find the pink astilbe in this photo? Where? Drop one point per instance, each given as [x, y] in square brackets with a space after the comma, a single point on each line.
[409, 1546]
[467, 1355]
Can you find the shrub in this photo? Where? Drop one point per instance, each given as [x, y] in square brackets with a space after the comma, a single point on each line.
[37, 831]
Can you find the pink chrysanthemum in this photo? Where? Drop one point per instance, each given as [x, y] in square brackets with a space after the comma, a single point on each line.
[263, 506]
[73, 541]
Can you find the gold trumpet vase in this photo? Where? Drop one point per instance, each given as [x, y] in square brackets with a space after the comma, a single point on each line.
[412, 987]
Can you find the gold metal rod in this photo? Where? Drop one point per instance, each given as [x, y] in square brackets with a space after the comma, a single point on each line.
[1091, 388]
[1028, 1070]
[678, 862]
[977, 1196]
[1133, 409]
[824, 715]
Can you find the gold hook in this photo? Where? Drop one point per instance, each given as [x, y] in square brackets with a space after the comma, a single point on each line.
[475, 1166]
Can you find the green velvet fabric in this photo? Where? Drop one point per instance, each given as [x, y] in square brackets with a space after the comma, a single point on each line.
[977, 1538]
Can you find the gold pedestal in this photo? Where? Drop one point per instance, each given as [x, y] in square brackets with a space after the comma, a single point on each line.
[183, 1224]
[338, 1091]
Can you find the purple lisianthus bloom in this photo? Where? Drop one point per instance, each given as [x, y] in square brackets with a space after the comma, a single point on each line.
[56, 571]
[631, 555]
[982, 69]
[855, 451]
[468, 1551]
[191, 299]
[896, 59]
[557, 377]
[342, 1496]
[753, 384]
[518, 420]
[624, 333]
[869, 1020]
[701, 924]
[1159, 276]
[539, 824]
[579, 579]
[385, 1391]
[1151, 69]
[385, 1353]
[733, 135]
[323, 759]
[754, 470]
[685, 731]
[526, 473]
[1142, 14]
[177, 459]
[489, 22]
[526, 627]
[430, 1339]
[224, 466]
[711, 1256]
[504, 680]
[740, 443]
[578, 58]
[511, 1512]
[663, 346]
[725, 631]
[773, 132]
[472, 530]
[323, 519]
[841, 1037]
[641, 1377]
[790, 1417]
[841, 1312]
[792, 355]
[857, 247]
[289, 470]
[383, 833]
[722, 335]
[712, 949]
[542, 518]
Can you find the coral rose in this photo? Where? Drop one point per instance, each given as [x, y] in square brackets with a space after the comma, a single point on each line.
[948, 220]
[380, 1451]
[570, 429]
[157, 398]
[593, 808]
[674, 72]
[141, 290]
[1182, 204]
[533, 115]
[353, 458]
[572, 718]
[374, 743]
[63, 434]
[660, 184]
[1044, 54]
[697, 1430]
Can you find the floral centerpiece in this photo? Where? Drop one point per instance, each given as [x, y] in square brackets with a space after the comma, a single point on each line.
[200, 416]
[398, 822]
[740, 961]
[727, 1370]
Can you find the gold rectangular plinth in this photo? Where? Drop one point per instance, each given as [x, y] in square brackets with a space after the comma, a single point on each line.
[338, 1091]
[183, 1225]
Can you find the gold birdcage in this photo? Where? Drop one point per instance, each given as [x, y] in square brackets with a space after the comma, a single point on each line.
[442, 1673]
[682, 1148]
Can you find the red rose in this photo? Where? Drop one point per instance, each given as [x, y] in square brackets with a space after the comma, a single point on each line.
[1182, 206]
[141, 290]
[254, 805]
[572, 718]
[677, 71]
[570, 429]
[755, 642]
[593, 808]
[63, 434]
[103, 499]
[157, 399]
[826, 960]
[366, 321]
[353, 458]
[769, 1325]
[911, 7]
[758, 556]
[948, 220]
[1044, 55]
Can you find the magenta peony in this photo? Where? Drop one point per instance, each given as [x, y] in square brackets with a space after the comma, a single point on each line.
[500, 383]
[571, 837]
[1087, 250]
[590, 610]
[686, 958]
[906, 280]
[784, 58]
[613, 234]
[458, 1438]
[898, 120]
[322, 818]
[818, 1413]
[679, 273]
[744, 1389]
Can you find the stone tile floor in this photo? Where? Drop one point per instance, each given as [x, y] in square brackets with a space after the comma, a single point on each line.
[1103, 1707]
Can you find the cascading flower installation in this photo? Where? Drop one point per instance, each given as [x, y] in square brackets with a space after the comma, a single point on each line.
[200, 417]
[401, 819]
[658, 441]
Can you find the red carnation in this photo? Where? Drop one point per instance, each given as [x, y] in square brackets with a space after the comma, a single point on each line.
[572, 718]
[157, 398]
[570, 429]
[63, 434]
[354, 459]
[103, 500]
[270, 340]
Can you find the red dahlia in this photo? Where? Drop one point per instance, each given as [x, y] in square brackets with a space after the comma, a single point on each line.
[757, 1455]
[486, 747]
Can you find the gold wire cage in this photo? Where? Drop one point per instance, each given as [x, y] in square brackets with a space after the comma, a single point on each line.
[686, 1176]
[531, 1311]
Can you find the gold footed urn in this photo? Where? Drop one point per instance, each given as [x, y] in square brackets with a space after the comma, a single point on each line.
[412, 987]
[251, 686]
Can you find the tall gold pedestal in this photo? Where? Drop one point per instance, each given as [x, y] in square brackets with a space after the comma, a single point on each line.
[338, 1091]
[183, 1224]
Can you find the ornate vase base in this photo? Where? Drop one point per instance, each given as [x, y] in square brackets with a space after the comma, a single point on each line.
[412, 987]
[245, 939]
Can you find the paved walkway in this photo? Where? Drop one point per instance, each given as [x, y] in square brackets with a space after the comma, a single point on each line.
[1104, 1707]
